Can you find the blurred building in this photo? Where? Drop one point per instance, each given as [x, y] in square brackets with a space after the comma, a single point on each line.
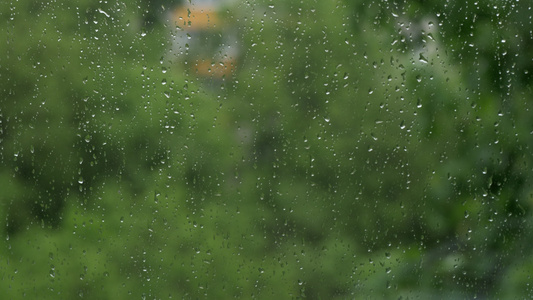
[204, 39]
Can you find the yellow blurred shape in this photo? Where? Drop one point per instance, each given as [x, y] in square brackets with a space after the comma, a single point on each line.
[196, 18]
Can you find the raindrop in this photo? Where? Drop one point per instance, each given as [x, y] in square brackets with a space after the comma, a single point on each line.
[422, 59]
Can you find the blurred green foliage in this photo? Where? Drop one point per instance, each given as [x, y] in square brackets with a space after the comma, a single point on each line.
[362, 150]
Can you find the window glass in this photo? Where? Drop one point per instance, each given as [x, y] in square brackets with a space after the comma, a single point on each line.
[266, 149]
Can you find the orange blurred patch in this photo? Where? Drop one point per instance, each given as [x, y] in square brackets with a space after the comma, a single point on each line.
[215, 69]
[195, 18]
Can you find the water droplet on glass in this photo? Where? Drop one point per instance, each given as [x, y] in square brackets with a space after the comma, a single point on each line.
[402, 125]
[422, 59]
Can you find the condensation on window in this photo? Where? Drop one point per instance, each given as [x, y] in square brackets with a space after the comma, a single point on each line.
[266, 149]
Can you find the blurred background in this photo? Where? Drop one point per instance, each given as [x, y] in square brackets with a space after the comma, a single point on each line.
[266, 149]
